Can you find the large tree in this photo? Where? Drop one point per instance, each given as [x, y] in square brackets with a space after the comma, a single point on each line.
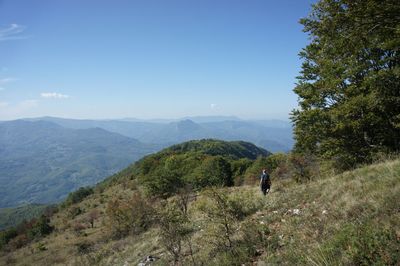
[349, 88]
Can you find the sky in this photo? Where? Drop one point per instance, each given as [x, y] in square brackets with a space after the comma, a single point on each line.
[104, 59]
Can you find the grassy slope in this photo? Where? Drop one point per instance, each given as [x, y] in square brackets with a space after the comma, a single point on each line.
[335, 219]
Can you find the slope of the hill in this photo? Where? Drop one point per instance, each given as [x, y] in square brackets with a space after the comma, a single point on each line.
[196, 163]
[41, 162]
[348, 219]
[13, 216]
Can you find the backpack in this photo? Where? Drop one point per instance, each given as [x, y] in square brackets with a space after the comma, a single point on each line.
[265, 179]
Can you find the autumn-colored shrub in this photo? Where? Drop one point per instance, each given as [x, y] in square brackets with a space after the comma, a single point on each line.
[131, 216]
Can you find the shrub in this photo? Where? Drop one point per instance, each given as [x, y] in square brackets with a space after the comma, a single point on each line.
[74, 211]
[239, 168]
[78, 227]
[84, 247]
[221, 218]
[41, 246]
[129, 216]
[175, 230]
[214, 171]
[40, 228]
[303, 167]
[77, 196]
[252, 174]
[92, 216]
[230, 238]
[6, 236]
[19, 241]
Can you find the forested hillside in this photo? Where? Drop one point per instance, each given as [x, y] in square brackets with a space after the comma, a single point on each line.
[41, 162]
[349, 218]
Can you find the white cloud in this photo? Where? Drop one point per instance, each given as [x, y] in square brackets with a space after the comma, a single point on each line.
[54, 95]
[12, 32]
[213, 106]
[7, 80]
[3, 104]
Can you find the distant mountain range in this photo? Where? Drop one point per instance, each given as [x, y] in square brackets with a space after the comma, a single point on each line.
[43, 159]
[41, 162]
[273, 135]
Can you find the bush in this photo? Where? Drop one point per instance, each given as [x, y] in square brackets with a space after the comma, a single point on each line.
[230, 238]
[74, 211]
[84, 247]
[239, 168]
[129, 216]
[26, 232]
[40, 228]
[214, 171]
[175, 230]
[303, 167]
[6, 236]
[77, 196]
[19, 241]
[252, 173]
[78, 227]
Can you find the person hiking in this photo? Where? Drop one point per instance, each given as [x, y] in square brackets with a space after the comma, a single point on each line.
[265, 182]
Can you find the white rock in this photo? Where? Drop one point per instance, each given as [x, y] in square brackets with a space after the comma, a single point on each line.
[296, 211]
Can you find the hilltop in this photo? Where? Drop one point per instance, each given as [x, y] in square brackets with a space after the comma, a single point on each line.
[350, 218]
[196, 164]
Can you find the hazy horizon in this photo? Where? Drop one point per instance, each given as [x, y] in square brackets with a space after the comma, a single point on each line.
[168, 119]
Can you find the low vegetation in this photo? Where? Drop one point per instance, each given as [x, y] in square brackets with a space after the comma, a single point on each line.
[12, 216]
[310, 217]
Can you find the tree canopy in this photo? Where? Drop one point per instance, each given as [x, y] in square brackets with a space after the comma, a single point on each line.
[349, 87]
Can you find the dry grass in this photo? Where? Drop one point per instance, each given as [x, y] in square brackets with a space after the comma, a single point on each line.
[304, 221]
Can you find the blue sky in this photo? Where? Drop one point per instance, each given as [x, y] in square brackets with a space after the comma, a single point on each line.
[149, 59]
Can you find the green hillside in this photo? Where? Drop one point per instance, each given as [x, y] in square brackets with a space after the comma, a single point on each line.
[349, 219]
[196, 164]
[12, 216]
[41, 162]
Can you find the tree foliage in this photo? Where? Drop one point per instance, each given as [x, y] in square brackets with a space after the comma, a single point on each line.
[77, 196]
[349, 88]
[197, 164]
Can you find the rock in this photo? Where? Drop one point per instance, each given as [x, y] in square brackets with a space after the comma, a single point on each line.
[147, 260]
